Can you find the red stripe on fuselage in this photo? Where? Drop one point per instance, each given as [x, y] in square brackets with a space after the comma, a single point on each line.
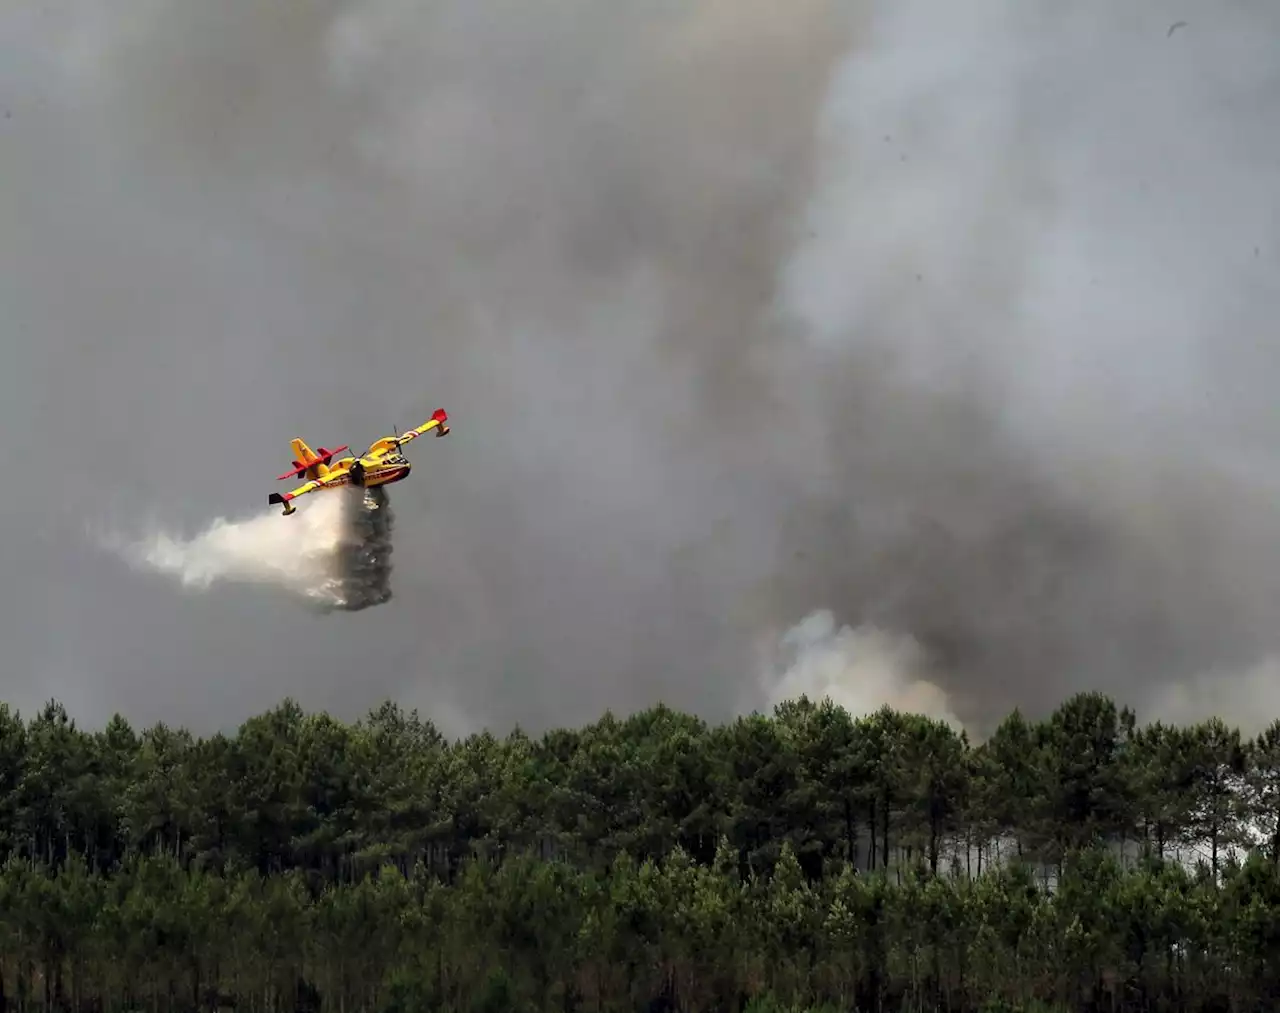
[386, 478]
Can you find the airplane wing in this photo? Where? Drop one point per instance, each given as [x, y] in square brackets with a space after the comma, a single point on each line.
[439, 421]
[328, 482]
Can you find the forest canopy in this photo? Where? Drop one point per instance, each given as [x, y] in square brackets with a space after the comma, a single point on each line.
[804, 860]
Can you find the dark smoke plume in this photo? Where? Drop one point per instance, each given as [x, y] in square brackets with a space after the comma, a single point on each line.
[922, 350]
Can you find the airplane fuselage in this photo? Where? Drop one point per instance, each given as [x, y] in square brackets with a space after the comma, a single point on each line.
[372, 472]
[383, 475]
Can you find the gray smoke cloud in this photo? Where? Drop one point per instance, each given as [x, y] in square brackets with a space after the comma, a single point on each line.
[949, 323]
[1057, 232]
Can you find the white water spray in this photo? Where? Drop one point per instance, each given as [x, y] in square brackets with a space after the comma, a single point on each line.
[332, 554]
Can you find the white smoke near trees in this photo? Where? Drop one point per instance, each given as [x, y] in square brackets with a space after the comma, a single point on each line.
[859, 669]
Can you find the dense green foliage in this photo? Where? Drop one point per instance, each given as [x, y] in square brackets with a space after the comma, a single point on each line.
[804, 860]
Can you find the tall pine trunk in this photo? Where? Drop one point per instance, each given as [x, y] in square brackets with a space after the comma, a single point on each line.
[884, 831]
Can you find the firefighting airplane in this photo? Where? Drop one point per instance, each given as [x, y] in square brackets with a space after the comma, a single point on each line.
[381, 464]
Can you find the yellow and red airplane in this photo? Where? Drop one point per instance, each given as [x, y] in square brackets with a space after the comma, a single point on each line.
[381, 464]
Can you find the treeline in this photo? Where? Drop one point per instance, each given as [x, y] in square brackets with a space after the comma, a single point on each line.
[804, 860]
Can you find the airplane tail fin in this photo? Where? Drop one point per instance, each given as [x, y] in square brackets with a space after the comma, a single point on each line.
[308, 460]
[313, 464]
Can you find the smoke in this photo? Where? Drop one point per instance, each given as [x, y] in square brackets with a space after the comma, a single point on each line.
[1251, 700]
[333, 554]
[860, 670]
[951, 321]
[1039, 269]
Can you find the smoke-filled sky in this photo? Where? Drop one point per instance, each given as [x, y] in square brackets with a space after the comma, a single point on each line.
[953, 325]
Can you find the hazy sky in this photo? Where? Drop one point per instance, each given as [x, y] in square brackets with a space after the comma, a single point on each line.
[957, 321]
